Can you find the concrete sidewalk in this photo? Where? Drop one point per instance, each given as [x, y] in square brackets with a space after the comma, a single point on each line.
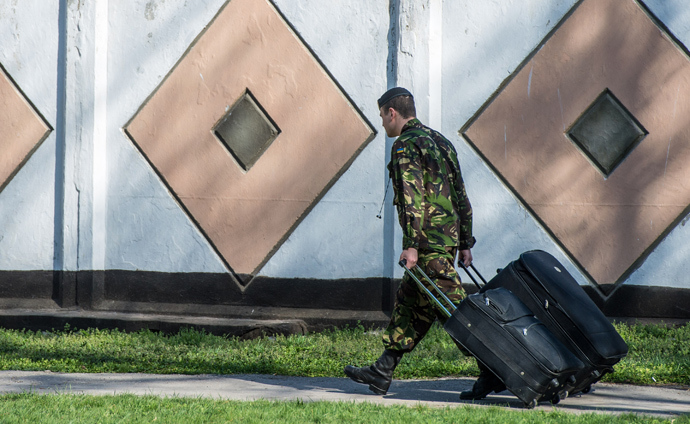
[604, 398]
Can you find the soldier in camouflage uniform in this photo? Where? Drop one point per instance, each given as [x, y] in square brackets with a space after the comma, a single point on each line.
[436, 218]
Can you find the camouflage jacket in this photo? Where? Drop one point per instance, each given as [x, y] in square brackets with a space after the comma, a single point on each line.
[433, 208]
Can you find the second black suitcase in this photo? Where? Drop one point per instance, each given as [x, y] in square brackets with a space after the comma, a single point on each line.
[553, 295]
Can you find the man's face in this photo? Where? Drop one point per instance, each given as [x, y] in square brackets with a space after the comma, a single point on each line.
[387, 120]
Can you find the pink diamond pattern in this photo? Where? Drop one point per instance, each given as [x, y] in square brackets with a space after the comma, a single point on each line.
[22, 129]
[608, 225]
[246, 215]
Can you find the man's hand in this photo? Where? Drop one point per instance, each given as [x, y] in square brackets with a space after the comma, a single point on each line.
[465, 256]
[410, 255]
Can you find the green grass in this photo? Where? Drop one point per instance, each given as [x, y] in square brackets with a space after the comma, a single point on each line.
[32, 408]
[194, 352]
[658, 355]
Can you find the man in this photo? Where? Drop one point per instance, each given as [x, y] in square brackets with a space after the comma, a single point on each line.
[436, 219]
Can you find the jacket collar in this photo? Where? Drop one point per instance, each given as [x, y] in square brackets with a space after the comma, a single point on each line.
[412, 123]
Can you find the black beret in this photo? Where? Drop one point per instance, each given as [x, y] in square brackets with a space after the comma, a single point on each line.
[391, 94]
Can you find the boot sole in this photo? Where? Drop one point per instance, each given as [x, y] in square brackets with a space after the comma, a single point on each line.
[373, 388]
[471, 396]
[377, 390]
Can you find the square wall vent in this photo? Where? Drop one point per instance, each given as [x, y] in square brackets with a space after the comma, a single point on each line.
[246, 130]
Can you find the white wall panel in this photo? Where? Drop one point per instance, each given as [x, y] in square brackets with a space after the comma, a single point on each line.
[28, 52]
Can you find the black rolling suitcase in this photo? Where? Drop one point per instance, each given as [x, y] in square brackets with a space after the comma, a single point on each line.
[501, 332]
[557, 300]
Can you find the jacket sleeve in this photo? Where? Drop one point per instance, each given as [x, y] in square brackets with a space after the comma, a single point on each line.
[464, 210]
[461, 202]
[407, 175]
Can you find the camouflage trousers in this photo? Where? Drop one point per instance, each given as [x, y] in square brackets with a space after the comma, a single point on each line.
[413, 314]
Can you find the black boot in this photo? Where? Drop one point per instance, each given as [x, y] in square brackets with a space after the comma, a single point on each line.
[485, 384]
[379, 375]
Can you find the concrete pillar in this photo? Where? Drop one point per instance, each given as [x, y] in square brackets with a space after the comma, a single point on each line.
[418, 55]
[414, 62]
[80, 112]
[413, 52]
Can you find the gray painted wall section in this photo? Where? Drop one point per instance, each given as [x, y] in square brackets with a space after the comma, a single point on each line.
[28, 52]
[122, 216]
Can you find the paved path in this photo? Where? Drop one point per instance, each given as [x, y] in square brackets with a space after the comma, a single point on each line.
[605, 398]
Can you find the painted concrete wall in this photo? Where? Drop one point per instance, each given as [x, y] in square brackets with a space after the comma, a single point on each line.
[30, 57]
[478, 55]
[157, 42]
[88, 199]
[492, 41]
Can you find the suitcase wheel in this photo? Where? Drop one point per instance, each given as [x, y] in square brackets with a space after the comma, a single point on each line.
[587, 389]
[531, 404]
[555, 400]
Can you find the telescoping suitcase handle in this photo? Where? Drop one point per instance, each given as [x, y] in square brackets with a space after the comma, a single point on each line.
[446, 310]
[449, 308]
[471, 276]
